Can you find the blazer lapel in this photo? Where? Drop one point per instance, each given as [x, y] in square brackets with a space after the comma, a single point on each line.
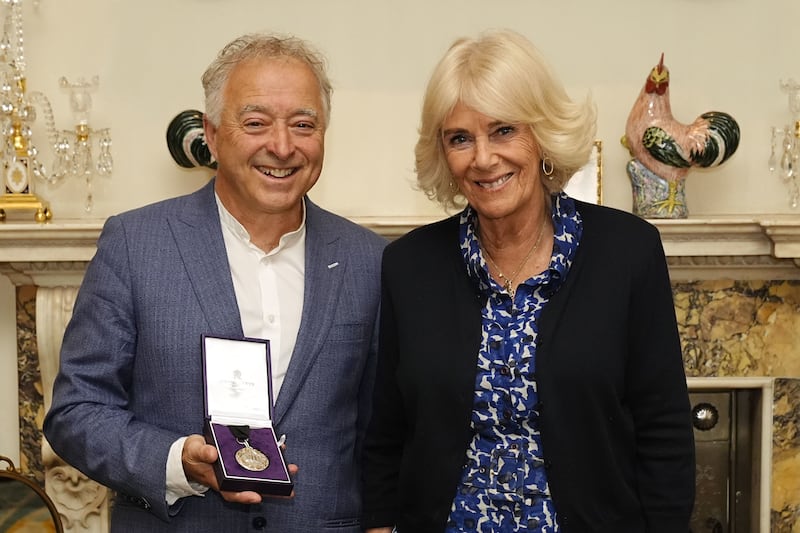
[198, 236]
[325, 265]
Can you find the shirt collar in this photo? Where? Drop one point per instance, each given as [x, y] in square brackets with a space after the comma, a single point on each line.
[236, 229]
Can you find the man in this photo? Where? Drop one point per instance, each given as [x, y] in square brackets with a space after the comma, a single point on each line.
[248, 255]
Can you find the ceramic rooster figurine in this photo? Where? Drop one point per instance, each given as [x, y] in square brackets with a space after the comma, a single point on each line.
[664, 150]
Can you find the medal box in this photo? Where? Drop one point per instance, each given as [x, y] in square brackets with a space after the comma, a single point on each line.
[238, 382]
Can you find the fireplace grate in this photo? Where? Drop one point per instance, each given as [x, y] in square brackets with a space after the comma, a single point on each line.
[724, 423]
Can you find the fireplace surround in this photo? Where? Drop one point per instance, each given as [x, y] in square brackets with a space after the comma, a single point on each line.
[736, 282]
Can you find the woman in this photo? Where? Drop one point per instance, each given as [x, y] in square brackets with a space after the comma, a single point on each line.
[530, 374]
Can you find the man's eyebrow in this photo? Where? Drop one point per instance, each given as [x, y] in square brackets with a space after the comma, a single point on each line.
[312, 113]
[253, 108]
[258, 108]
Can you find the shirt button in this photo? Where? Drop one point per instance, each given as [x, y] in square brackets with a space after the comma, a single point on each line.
[271, 319]
[259, 522]
[504, 371]
[507, 414]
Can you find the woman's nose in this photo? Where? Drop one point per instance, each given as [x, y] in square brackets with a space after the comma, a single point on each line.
[483, 155]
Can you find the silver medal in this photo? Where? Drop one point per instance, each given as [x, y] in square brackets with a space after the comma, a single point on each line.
[251, 458]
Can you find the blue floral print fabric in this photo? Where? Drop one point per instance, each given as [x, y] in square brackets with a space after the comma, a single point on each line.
[504, 483]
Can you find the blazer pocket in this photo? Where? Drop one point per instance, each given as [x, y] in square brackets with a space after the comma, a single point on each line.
[341, 523]
[352, 332]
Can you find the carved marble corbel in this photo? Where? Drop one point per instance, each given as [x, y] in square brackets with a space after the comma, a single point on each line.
[82, 503]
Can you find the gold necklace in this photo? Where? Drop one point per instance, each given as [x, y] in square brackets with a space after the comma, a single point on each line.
[509, 280]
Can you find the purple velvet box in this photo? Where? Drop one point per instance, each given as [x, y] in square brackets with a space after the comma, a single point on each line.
[238, 382]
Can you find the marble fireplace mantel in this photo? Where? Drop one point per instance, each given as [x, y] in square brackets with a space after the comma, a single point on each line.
[762, 241]
[54, 255]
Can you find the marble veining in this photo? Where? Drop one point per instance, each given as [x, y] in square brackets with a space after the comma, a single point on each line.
[786, 457]
[739, 328]
[31, 401]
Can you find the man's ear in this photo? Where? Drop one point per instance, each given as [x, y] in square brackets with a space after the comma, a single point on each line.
[210, 133]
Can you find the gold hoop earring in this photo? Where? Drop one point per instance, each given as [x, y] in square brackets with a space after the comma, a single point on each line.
[548, 167]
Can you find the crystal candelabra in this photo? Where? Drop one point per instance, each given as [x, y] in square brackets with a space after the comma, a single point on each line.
[74, 147]
[19, 158]
[785, 149]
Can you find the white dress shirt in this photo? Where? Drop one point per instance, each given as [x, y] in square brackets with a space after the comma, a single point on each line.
[269, 288]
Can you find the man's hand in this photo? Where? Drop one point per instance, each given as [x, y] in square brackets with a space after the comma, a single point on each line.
[198, 459]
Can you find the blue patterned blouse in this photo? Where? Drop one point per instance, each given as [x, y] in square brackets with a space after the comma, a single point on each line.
[504, 484]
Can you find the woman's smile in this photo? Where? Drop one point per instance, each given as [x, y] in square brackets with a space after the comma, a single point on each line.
[496, 184]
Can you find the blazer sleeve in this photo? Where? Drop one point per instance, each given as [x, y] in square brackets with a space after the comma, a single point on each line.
[89, 424]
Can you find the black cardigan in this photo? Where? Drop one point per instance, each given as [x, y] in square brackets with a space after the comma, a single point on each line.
[615, 416]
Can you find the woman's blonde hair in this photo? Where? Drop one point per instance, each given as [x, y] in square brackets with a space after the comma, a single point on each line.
[502, 75]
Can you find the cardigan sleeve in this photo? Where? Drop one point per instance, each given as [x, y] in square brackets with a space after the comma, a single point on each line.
[383, 446]
[658, 398]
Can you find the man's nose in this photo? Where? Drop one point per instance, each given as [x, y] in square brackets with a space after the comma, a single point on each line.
[279, 141]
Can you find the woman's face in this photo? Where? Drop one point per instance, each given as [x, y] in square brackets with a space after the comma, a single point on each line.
[495, 164]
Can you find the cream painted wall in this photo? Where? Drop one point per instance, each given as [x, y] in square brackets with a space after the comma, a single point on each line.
[723, 54]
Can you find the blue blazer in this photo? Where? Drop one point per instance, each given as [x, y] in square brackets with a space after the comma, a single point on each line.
[130, 381]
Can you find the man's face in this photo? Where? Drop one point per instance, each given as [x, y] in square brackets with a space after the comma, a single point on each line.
[269, 144]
